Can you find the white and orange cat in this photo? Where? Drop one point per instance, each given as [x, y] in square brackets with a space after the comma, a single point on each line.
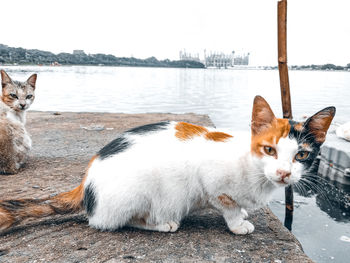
[152, 176]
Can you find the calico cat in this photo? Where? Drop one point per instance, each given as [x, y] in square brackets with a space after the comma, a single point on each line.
[15, 142]
[152, 176]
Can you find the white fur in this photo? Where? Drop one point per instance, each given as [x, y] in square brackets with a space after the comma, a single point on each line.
[162, 179]
[286, 150]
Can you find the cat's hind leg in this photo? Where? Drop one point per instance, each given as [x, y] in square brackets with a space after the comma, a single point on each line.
[170, 226]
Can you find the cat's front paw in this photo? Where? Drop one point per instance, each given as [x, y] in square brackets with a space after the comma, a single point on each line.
[168, 227]
[244, 228]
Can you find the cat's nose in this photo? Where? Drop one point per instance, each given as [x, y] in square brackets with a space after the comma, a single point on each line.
[283, 173]
[22, 106]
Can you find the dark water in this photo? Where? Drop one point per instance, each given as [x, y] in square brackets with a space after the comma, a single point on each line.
[321, 220]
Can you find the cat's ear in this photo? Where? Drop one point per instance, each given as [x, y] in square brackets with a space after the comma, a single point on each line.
[262, 116]
[319, 123]
[5, 79]
[31, 80]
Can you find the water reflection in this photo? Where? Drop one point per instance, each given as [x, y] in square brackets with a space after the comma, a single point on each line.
[332, 198]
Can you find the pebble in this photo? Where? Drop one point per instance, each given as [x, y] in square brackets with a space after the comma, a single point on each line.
[93, 127]
[343, 131]
[345, 238]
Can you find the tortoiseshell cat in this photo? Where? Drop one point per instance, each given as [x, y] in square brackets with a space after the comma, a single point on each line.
[15, 142]
[152, 176]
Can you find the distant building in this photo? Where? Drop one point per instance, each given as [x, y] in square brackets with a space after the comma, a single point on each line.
[218, 59]
[188, 56]
[78, 52]
[222, 60]
[241, 59]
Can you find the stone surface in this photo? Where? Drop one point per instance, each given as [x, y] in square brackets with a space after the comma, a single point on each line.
[63, 143]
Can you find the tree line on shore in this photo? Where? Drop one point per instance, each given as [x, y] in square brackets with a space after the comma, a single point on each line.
[21, 56]
[316, 67]
[322, 67]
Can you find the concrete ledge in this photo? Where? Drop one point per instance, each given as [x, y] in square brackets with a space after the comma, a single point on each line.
[335, 161]
[62, 147]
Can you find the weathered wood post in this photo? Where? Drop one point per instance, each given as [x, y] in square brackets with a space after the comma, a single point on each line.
[285, 93]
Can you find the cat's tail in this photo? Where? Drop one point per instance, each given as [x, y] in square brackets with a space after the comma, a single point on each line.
[13, 212]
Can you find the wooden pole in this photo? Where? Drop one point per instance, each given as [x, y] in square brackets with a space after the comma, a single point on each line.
[285, 93]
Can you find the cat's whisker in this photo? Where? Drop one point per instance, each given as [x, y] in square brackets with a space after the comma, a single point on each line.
[317, 177]
[298, 187]
[319, 190]
[306, 137]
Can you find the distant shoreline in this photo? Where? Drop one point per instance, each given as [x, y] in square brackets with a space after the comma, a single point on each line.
[21, 56]
[144, 66]
[10, 56]
[325, 67]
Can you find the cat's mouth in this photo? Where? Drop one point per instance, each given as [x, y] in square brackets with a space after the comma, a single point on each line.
[21, 108]
[282, 183]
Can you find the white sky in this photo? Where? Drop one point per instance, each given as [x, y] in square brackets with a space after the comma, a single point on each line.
[318, 30]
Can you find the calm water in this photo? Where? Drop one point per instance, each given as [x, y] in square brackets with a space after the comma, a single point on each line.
[226, 96]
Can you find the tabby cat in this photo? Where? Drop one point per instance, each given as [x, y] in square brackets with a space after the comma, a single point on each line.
[15, 142]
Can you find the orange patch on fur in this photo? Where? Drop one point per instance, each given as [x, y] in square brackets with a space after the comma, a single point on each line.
[91, 161]
[186, 131]
[217, 136]
[70, 201]
[306, 146]
[299, 126]
[6, 220]
[74, 198]
[279, 128]
[7, 99]
[227, 201]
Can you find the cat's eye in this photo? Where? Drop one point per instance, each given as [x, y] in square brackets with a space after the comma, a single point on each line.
[269, 150]
[13, 95]
[29, 97]
[301, 156]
